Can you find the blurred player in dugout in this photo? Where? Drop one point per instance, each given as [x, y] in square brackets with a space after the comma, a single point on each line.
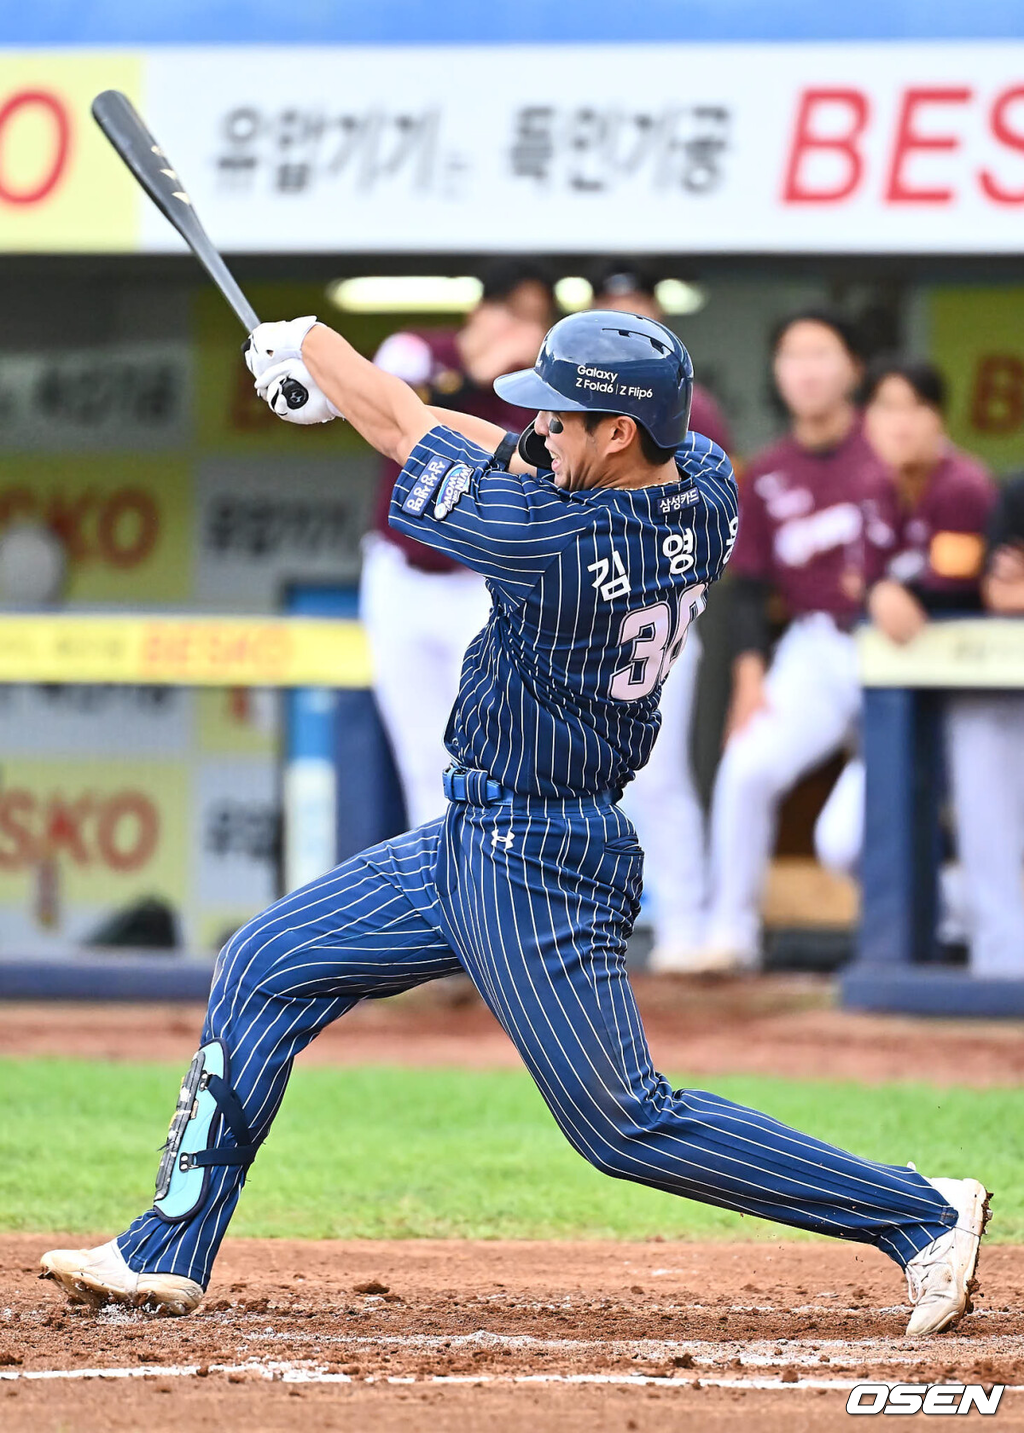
[420, 609]
[943, 502]
[815, 530]
[1000, 746]
[662, 801]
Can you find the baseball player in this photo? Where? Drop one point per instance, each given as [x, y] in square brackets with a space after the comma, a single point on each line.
[813, 532]
[942, 502]
[420, 608]
[998, 892]
[597, 537]
[663, 801]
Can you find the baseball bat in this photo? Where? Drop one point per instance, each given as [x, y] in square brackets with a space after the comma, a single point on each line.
[123, 125]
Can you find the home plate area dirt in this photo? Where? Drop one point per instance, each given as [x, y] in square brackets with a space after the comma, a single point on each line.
[447, 1335]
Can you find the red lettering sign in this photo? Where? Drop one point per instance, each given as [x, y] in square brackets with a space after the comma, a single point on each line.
[120, 529]
[909, 141]
[120, 831]
[126, 527]
[127, 831]
[809, 140]
[1013, 139]
[826, 162]
[60, 144]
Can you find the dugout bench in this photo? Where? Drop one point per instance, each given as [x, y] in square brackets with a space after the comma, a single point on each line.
[897, 966]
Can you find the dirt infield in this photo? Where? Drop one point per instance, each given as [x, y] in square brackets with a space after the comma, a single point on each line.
[516, 1336]
[779, 1026]
[406, 1336]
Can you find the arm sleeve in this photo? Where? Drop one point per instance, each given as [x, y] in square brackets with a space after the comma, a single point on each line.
[750, 632]
[509, 527]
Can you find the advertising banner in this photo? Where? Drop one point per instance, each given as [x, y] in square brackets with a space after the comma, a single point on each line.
[79, 840]
[124, 521]
[262, 524]
[131, 396]
[976, 336]
[192, 651]
[58, 189]
[860, 147]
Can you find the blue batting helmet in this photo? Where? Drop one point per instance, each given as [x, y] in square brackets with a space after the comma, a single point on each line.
[607, 362]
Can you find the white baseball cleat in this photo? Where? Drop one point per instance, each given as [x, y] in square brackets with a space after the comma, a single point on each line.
[101, 1276]
[940, 1280]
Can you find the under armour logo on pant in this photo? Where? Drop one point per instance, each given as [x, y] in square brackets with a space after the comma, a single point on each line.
[497, 840]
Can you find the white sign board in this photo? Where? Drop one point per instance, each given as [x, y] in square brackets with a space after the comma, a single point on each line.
[881, 147]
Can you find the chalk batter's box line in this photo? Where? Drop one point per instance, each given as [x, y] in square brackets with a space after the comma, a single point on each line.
[285, 1373]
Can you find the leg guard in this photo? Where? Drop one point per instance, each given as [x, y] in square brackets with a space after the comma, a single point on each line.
[205, 1106]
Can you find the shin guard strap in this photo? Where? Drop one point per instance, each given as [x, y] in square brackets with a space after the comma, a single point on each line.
[207, 1104]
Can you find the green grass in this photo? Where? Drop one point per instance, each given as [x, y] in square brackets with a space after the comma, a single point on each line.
[388, 1153]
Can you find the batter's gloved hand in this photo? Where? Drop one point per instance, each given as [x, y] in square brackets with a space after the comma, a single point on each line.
[271, 343]
[272, 386]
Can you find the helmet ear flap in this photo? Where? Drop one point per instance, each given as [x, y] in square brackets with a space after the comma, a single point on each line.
[532, 448]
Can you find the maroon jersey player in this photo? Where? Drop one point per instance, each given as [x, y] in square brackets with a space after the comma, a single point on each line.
[942, 501]
[1001, 861]
[942, 504]
[813, 532]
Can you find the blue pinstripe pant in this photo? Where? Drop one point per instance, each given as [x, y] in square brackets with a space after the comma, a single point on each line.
[535, 899]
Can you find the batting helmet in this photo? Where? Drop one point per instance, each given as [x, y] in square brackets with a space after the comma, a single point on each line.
[607, 362]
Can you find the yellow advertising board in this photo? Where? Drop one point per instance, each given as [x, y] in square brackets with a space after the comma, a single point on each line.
[125, 520]
[93, 835]
[187, 651]
[61, 186]
[977, 339]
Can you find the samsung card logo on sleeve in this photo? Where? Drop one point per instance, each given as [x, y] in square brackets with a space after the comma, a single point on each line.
[426, 485]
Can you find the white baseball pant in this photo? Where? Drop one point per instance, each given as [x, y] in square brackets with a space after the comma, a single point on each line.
[839, 829]
[814, 704]
[984, 740]
[418, 625]
[985, 752]
[663, 804]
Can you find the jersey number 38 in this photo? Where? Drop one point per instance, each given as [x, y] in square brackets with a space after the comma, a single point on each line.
[655, 636]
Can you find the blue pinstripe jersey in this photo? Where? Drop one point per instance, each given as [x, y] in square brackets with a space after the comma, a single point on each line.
[592, 596]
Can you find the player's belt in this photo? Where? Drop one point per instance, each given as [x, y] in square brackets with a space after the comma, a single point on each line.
[475, 788]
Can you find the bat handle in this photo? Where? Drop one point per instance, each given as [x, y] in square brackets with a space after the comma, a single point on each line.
[295, 394]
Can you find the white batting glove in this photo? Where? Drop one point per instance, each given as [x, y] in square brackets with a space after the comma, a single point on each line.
[275, 383]
[271, 343]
